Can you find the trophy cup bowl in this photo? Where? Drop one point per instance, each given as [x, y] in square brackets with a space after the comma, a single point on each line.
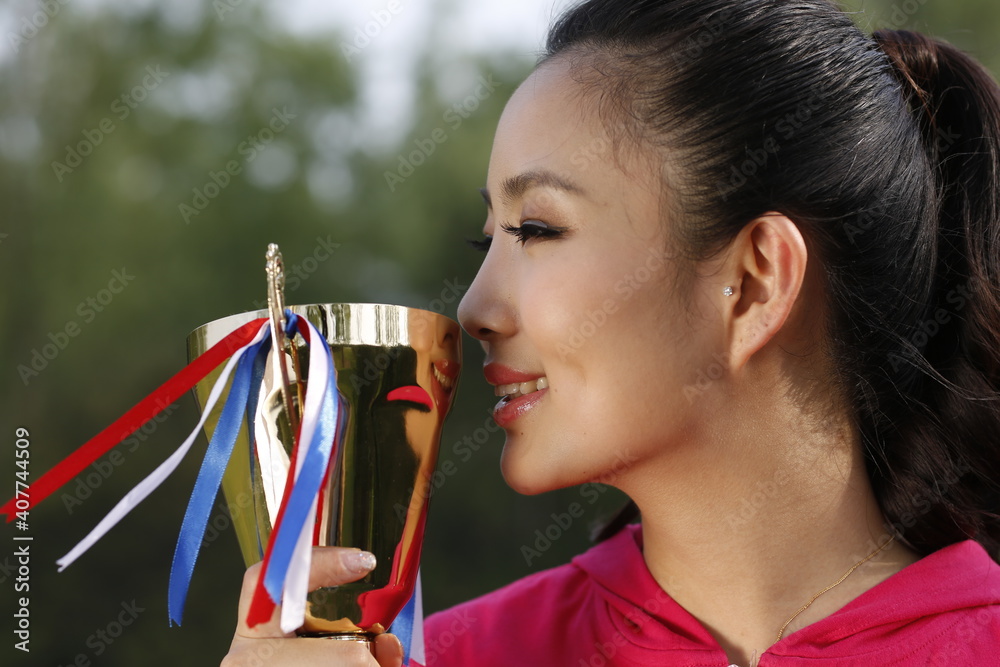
[397, 370]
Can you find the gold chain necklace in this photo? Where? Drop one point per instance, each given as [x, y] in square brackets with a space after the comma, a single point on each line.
[861, 562]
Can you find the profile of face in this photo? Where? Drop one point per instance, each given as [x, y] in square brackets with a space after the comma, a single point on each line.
[576, 303]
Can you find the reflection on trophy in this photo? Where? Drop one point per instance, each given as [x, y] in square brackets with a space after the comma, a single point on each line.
[397, 370]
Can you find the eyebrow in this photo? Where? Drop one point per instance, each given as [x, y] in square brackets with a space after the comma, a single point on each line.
[513, 188]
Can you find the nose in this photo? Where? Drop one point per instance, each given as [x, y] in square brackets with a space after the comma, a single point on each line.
[486, 311]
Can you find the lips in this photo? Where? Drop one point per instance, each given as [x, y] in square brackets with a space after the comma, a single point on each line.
[521, 391]
[444, 374]
[508, 409]
[497, 374]
[411, 394]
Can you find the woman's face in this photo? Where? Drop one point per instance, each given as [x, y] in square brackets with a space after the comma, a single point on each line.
[585, 303]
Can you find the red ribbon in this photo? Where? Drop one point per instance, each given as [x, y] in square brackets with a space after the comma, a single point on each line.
[133, 420]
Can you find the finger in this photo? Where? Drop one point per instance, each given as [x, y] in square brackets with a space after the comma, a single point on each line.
[388, 651]
[298, 651]
[331, 566]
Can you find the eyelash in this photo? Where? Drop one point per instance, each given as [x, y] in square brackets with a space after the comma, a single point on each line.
[529, 229]
[482, 245]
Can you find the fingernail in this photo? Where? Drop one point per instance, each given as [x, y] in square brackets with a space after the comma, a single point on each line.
[358, 562]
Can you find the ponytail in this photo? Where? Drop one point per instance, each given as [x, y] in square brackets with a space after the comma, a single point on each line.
[948, 451]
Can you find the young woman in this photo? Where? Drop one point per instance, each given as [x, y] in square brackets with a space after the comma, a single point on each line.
[743, 264]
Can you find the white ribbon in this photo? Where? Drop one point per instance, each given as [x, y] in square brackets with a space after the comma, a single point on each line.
[148, 485]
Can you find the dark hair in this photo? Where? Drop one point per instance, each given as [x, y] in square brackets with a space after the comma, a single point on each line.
[885, 151]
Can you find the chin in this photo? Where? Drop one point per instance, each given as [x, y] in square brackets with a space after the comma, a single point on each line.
[526, 485]
[531, 477]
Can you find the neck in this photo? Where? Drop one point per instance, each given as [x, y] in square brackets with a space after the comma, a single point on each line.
[743, 532]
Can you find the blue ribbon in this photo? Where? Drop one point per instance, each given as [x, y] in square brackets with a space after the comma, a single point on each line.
[207, 485]
[402, 627]
[306, 487]
[243, 396]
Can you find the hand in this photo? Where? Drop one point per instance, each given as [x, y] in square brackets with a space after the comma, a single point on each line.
[266, 644]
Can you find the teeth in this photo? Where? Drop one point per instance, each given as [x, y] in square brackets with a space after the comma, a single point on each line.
[443, 379]
[521, 388]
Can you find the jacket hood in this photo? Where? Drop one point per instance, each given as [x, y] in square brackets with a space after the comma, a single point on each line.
[911, 608]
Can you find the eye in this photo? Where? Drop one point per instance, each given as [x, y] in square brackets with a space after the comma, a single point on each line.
[482, 245]
[532, 229]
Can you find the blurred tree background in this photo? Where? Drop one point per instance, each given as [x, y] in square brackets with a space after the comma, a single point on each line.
[147, 157]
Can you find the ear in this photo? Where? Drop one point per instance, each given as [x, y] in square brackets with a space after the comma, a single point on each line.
[767, 265]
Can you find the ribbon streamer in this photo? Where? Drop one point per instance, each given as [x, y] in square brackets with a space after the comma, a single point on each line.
[135, 418]
[148, 485]
[288, 553]
[206, 487]
[409, 626]
[292, 536]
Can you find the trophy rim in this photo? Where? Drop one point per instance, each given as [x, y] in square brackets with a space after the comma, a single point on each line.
[237, 319]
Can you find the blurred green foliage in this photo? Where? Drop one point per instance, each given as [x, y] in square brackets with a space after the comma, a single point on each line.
[161, 108]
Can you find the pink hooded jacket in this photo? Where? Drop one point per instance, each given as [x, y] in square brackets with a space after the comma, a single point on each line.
[605, 609]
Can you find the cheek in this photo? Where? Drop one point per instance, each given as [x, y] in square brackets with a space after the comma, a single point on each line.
[567, 307]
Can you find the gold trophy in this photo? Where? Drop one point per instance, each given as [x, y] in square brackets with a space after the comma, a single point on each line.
[397, 370]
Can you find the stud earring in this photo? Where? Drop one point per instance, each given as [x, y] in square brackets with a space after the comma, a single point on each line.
[728, 290]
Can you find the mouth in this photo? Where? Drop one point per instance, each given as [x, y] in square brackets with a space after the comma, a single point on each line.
[445, 372]
[444, 377]
[518, 389]
[446, 382]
